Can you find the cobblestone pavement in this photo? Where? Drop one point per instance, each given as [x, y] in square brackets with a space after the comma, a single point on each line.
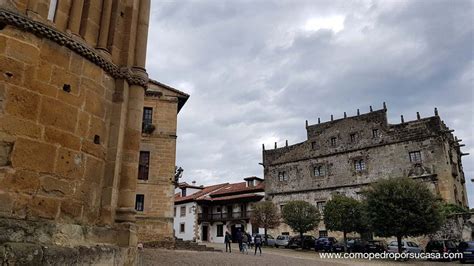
[270, 256]
[181, 257]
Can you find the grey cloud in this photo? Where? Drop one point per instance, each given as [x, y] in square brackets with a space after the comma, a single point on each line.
[257, 75]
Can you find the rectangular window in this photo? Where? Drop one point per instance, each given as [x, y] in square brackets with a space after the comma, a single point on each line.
[353, 137]
[143, 165]
[333, 141]
[415, 156]
[183, 192]
[320, 205]
[174, 211]
[375, 133]
[182, 211]
[281, 207]
[282, 176]
[181, 228]
[220, 230]
[313, 145]
[140, 202]
[52, 9]
[323, 233]
[147, 117]
[359, 165]
[319, 170]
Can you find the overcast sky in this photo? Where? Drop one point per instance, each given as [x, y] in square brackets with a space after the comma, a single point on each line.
[256, 70]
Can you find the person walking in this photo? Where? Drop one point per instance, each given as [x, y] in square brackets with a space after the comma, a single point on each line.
[258, 244]
[239, 239]
[227, 241]
[245, 243]
[250, 240]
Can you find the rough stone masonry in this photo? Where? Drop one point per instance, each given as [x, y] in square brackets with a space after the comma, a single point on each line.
[72, 86]
[345, 155]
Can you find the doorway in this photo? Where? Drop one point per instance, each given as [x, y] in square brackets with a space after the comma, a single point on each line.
[234, 229]
[205, 230]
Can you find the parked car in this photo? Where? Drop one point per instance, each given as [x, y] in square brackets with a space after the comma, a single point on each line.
[376, 246]
[407, 246]
[338, 246]
[356, 245]
[270, 240]
[308, 242]
[282, 241]
[467, 250]
[441, 246]
[324, 244]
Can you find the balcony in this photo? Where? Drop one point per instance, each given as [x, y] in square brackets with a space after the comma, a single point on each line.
[223, 216]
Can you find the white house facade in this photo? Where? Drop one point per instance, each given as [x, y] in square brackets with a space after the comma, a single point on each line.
[206, 214]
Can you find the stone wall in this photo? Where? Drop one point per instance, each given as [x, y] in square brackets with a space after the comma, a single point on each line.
[71, 94]
[156, 221]
[336, 145]
[456, 227]
[54, 128]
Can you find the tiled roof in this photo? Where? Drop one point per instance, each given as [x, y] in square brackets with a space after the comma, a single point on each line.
[237, 188]
[238, 196]
[184, 184]
[199, 194]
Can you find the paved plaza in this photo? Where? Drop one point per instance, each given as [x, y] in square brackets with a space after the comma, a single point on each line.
[270, 256]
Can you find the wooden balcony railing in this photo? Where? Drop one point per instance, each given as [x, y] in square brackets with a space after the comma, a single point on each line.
[223, 216]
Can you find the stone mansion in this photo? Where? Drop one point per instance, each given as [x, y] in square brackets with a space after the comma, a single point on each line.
[345, 155]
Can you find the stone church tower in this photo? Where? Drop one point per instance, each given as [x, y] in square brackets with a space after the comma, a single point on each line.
[72, 87]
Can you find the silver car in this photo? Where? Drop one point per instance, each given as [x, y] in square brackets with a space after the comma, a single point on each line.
[282, 241]
[407, 246]
[270, 240]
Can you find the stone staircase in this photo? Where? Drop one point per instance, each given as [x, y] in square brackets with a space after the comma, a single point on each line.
[189, 245]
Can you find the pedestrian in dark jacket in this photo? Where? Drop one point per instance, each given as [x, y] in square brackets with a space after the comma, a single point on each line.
[239, 239]
[227, 241]
[258, 244]
[249, 236]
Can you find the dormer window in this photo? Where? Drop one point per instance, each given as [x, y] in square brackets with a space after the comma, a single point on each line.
[183, 192]
[250, 183]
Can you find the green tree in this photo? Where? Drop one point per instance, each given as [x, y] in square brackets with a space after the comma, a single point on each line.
[265, 215]
[344, 214]
[402, 207]
[449, 209]
[301, 216]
